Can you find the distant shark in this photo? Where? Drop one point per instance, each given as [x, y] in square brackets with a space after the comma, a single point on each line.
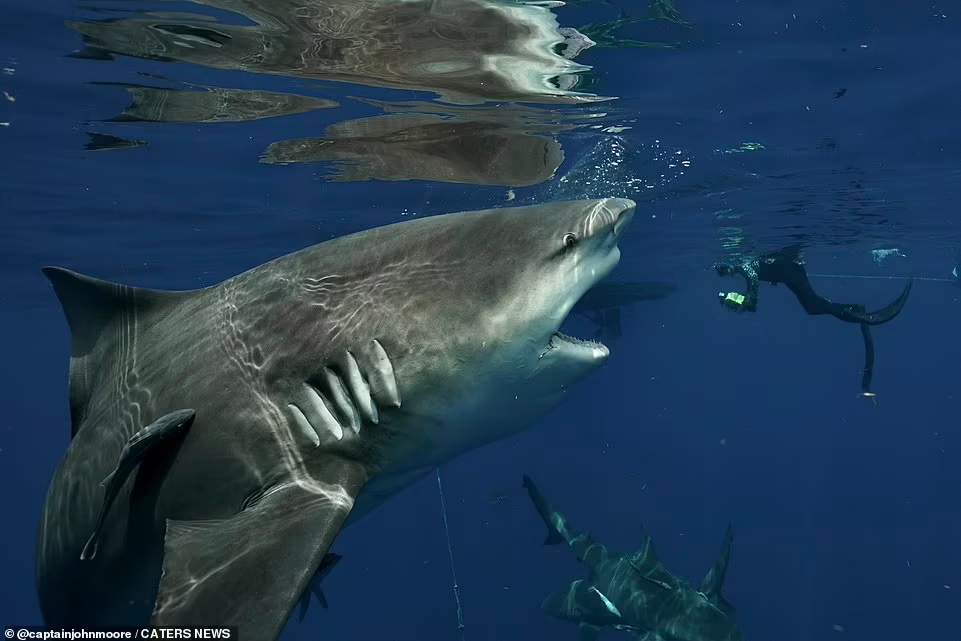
[602, 305]
[633, 591]
[223, 436]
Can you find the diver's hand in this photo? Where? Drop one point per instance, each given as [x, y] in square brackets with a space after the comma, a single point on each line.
[732, 300]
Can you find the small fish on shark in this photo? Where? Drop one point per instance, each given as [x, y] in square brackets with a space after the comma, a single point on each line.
[222, 437]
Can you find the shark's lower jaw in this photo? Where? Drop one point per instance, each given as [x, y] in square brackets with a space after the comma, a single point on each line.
[583, 350]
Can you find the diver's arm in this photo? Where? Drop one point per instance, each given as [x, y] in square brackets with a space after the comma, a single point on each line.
[749, 271]
[748, 300]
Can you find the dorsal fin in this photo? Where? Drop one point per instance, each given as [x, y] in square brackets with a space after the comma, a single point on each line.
[648, 565]
[91, 306]
[713, 583]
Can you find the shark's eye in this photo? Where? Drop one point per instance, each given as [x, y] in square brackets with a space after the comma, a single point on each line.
[570, 240]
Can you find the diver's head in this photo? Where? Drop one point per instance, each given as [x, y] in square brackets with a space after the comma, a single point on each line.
[723, 269]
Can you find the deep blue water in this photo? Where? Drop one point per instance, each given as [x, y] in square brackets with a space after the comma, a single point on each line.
[846, 514]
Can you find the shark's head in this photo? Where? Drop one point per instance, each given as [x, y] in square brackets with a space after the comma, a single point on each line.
[468, 307]
[531, 266]
[496, 286]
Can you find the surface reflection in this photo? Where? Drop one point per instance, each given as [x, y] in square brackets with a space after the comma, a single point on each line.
[466, 51]
[201, 104]
[508, 145]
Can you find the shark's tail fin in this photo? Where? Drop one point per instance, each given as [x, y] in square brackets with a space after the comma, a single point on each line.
[547, 514]
[328, 563]
[713, 583]
[103, 319]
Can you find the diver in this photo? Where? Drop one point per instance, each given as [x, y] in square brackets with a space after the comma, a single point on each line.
[786, 266]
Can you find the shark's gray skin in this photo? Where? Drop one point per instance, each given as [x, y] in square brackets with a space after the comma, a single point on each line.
[319, 384]
[633, 591]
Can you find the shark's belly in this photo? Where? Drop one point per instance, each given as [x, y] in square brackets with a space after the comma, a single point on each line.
[435, 441]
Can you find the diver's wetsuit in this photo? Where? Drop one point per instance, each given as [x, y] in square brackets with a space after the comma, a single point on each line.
[785, 266]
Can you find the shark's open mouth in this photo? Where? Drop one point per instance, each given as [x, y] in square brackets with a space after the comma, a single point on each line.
[572, 344]
[559, 339]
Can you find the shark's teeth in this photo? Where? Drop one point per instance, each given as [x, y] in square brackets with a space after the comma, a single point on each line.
[577, 341]
[556, 338]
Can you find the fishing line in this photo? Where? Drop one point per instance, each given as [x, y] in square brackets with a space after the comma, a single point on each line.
[929, 278]
[450, 551]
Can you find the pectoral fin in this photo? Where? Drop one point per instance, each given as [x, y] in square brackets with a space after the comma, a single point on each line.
[136, 449]
[588, 632]
[249, 570]
[330, 560]
[553, 520]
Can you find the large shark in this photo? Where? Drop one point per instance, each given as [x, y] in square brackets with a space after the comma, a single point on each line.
[222, 436]
[633, 591]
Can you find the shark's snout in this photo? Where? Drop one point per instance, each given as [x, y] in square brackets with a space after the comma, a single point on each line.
[611, 214]
[623, 214]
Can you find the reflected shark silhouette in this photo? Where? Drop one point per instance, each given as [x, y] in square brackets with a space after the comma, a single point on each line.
[206, 104]
[466, 51]
[418, 141]
[633, 591]
[477, 146]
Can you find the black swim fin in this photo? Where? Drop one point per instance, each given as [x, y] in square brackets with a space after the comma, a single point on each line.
[884, 314]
